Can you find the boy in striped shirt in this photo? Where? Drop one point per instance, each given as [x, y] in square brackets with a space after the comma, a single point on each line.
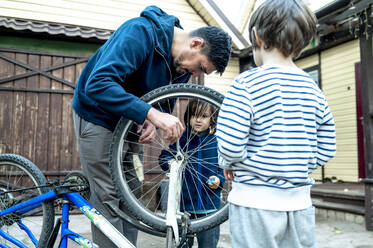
[274, 128]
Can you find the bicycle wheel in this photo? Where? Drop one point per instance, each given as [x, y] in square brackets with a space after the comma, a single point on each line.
[138, 170]
[18, 173]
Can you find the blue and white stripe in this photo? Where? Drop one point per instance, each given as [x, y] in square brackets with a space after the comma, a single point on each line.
[274, 128]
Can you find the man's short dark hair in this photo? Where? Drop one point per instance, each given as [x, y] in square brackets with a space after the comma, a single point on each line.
[217, 46]
[288, 25]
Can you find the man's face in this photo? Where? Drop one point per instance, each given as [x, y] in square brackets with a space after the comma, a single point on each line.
[190, 60]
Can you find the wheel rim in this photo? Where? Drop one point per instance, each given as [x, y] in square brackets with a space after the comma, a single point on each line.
[12, 177]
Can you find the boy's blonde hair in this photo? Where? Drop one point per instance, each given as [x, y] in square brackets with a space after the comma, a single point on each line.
[288, 25]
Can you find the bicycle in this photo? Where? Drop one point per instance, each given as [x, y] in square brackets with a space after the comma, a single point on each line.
[150, 212]
[25, 194]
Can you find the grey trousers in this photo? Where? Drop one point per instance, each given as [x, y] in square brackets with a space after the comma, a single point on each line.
[258, 228]
[94, 144]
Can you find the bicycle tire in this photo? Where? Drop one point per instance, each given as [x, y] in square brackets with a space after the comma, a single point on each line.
[17, 172]
[136, 206]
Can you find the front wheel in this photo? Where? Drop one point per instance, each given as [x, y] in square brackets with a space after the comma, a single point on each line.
[20, 180]
[139, 171]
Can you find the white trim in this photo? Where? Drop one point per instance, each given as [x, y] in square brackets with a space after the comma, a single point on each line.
[222, 24]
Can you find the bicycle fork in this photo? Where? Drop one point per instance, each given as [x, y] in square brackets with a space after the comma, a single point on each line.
[177, 166]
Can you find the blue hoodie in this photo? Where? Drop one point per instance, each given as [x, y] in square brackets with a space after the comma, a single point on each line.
[196, 196]
[135, 60]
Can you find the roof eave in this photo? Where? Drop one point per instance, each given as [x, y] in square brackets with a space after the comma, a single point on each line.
[211, 14]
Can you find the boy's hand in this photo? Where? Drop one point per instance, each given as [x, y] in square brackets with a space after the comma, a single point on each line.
[213, 182]
[228, 174]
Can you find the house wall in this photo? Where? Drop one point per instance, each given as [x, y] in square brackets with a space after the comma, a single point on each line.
[305, 63]
[338, 80]
[222, 83]
[109, 14]
[338, 85]
[103, 14]
[308, 61]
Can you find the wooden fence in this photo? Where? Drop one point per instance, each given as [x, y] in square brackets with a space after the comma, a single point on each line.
[36, 90]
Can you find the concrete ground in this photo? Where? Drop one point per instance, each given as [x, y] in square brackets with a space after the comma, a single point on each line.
[331, 233]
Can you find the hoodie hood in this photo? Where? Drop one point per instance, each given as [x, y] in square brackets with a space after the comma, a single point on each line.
[163, 25]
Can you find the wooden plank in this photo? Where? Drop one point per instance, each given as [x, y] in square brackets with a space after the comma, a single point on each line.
[55, 121]
[76, 161]
[6, 110]
[19, 109]
[42, 145]
[73, 145]
[31, 107]
[67, 126]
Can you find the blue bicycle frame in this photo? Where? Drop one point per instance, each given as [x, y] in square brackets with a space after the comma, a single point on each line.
[104, 225]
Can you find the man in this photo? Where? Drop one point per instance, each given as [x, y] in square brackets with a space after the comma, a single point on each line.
[145, 53]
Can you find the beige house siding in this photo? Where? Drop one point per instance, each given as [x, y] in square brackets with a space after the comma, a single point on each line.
[308, 61]
[338, 85]
[103, 14]
[109, 14]
[221, 83]
[304, 64]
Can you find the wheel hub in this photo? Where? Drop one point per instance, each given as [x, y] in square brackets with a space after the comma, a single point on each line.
[7, 200]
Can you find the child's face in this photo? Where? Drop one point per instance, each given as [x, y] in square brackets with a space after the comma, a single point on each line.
[201, 123]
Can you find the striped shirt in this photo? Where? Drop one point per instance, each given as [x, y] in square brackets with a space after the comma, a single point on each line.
[274, 128]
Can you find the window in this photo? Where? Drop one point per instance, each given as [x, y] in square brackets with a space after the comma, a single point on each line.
[314, 72]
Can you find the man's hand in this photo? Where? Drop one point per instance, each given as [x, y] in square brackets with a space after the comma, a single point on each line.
[148, 132]
[170, 124]
[228, 174]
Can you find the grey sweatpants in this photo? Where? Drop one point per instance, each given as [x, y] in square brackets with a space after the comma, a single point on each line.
[258, 228]
[94, 144]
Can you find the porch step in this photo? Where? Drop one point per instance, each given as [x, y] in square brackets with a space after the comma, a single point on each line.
[343, 207]
[342, 197]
